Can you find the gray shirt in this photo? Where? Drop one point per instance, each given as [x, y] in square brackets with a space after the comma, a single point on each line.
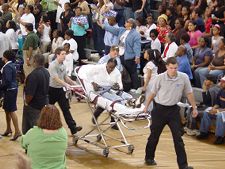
[169, 91]
[57, 69]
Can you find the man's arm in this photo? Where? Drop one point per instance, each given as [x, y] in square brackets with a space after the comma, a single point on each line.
[191, 99]
[150, 98]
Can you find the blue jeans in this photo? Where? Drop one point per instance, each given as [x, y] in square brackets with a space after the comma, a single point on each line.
[197, 77]
[128, 13]
[205, 71]
[206, 122]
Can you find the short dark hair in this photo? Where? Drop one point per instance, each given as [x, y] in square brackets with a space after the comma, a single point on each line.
[9, 55]
[171, 60]
[78, 8]
[39, 59]
[49, 118]
[59, 50]
[12, 25]
[185, 37]
[69, 33]
[112, 60]
[155, 32]
[67, 44]
[29, 26]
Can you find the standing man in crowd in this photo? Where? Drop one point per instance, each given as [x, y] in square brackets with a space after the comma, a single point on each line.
[167, 91]
[30, 48]
[36, 93]
[58, 81]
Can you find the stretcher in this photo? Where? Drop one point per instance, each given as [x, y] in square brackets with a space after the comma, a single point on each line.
[122, 114]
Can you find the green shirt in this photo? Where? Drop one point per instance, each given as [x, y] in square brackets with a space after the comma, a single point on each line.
[46, 151]
[52, 6]
[32, 40]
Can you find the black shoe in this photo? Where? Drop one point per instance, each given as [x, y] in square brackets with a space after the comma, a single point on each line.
[7, 134]
[150, 162]
[115, 127]
[15, 137]
[219, 140]
[202, 136]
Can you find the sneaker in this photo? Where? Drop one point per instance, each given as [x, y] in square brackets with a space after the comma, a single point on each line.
[219, 140]
[150, 162]
[202, 135]
[192, 132]
[139, 101]
[78, 128]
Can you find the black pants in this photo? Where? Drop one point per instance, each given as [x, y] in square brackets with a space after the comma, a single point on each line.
[81, 42]
[58, 95]
[161, 116]
[99, 111]
[131, 67]
[30, 117]
[52, 16]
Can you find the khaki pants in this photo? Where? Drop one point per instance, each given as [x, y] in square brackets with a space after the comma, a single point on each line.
[28, 69]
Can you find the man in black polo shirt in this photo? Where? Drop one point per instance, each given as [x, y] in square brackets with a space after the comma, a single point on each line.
[35, 93]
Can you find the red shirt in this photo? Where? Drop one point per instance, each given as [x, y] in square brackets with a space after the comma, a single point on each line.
[162, 33]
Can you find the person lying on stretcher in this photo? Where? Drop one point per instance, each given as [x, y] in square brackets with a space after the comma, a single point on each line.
[105, 80]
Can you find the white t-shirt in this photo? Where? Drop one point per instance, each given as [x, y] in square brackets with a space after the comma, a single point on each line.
[156, 44]
[73, 46]
[68, 62]
[147, 33]
[27, 18]
[13, 37]
[150, 65]
[60, 9]
[57, 43]
[122, 42]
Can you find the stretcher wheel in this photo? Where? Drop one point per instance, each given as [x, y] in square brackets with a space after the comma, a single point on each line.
[99, 137]
[130, 149]
[75, 140]
[106, 152]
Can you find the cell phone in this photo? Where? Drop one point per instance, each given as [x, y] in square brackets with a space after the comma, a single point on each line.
[213, 16]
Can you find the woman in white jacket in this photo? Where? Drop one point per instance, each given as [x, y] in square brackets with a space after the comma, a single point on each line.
[170, 47]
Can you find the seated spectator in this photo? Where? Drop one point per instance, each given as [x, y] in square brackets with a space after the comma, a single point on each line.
[202, 58]
[216, 38]
[114, 53]
[155, 43]
[194, 34]
[171, 14]
[215, 112]
[185, 14]
[183, 62]
[73, 44]
[179, 29]
[170, 47]
[68, 62]
[150, 26]
[196, 17]
[163, 28]
[217, 66]
[46, 143]
[184, 39]
[208, 22]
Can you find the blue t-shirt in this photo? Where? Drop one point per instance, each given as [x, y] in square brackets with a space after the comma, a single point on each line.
[184, 65]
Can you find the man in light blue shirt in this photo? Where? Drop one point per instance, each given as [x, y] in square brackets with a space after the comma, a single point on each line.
[109, 38]
[114, 53]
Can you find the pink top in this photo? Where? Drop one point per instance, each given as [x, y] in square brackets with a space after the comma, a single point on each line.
[194, 36]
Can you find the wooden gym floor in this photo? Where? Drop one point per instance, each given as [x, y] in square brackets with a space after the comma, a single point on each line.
[201, 155]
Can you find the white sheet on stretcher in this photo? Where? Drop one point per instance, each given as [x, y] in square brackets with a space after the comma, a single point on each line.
[119, 108]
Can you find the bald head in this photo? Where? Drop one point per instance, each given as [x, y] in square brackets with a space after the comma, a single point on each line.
[181, 50]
